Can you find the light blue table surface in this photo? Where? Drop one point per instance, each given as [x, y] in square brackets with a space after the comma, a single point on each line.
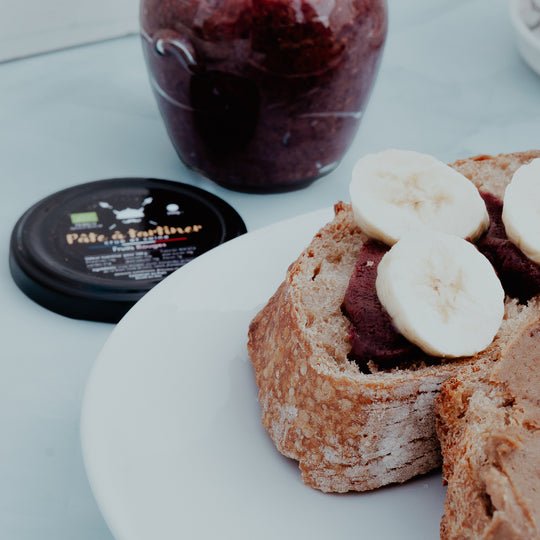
[451, 84]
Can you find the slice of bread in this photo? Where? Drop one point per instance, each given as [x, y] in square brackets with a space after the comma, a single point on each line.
[488, 422]
[350, 430]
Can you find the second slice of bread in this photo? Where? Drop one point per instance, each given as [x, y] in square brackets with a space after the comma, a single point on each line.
[347, 429]
[488, 422]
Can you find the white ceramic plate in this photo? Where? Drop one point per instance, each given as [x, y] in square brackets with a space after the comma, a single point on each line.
[170, 427]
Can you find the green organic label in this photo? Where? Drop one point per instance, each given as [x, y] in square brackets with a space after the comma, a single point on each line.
[84, 217]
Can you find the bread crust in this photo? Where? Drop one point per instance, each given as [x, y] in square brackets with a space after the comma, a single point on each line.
[488, 423]
[350, 430]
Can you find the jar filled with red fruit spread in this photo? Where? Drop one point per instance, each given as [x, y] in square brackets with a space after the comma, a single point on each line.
[262, 95]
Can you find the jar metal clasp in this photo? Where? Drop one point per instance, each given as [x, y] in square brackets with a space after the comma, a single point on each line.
[168, 42]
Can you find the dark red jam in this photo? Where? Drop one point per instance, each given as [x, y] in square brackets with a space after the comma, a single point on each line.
[520, 277]
[372, 333]
[262, 95]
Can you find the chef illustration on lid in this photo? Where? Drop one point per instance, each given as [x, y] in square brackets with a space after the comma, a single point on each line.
[128, 215]
[136, 215]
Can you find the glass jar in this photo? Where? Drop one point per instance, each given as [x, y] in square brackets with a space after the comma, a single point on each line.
[262, 95]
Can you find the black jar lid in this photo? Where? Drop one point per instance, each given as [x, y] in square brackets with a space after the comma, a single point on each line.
[91, 251]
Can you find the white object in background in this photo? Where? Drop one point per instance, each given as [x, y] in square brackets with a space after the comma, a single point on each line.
[36, 26]
[525, 17]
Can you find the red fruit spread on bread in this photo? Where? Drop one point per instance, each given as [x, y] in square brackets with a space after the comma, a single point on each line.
[372, 332]
[520, 277]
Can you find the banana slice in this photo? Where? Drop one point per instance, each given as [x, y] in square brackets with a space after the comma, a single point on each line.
[442, 293]
[395, 192]
[521, 210]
